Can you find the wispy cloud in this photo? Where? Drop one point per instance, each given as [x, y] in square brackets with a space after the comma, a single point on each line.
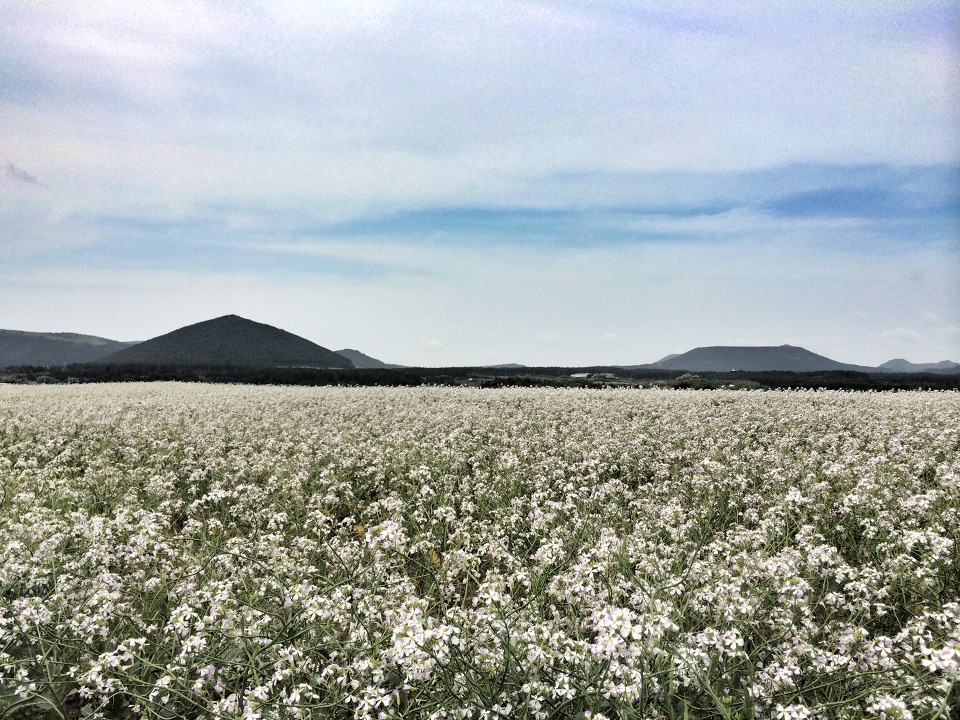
[835, 202]
[889, 203]
[882, 192]
[21, 176]
[902, 333]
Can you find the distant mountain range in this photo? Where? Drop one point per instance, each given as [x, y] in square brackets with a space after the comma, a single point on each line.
[787, 358]
[899, 365]
[235, 341]
[18, 347]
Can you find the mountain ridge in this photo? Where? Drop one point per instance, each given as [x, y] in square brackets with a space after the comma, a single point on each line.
[23, 347]
[753, 358]
[362, 360]
[901, 365]
[787, 358]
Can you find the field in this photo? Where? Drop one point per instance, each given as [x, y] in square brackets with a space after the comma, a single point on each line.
[176, 550]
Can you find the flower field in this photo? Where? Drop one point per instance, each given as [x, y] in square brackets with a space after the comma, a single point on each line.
[181, 551]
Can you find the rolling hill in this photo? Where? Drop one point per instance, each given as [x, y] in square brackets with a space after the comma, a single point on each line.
[726, 358]
[234, 341]
[229, 340]
[19, 347]
[361, 360]
[899, 365]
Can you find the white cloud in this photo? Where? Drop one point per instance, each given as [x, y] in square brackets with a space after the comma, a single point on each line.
[368, 103]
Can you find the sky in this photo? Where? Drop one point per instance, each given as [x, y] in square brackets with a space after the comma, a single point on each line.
[448, 183]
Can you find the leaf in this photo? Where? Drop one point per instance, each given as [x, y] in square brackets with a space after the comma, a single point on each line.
[43, 709]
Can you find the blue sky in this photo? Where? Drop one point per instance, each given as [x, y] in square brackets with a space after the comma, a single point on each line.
[450, 183]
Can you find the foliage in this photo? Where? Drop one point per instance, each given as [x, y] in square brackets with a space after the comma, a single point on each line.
[488, 377]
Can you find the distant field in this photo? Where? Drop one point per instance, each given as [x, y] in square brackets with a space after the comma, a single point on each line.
[177, 550]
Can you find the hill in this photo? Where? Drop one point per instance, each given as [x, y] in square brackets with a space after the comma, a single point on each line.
[360, 360]
[19, 347]
[899, 365]
[726, 358]
[229, 340]
[671, 356]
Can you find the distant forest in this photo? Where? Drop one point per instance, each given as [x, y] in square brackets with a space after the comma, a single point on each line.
[596, 377]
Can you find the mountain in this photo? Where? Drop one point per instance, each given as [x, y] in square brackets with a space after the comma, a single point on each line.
[360, 360]
[19, 347]
[725, 358]
[899, 365]
[671, 356]
[229, 340]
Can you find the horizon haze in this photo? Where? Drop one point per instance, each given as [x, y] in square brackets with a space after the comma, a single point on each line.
[546, 183]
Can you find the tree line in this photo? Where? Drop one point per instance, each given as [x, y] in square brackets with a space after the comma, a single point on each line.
[479, 377]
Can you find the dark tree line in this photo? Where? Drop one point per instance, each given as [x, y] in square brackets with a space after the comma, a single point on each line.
[478, 377]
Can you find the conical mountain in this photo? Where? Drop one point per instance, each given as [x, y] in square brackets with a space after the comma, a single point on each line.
[229, 340]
